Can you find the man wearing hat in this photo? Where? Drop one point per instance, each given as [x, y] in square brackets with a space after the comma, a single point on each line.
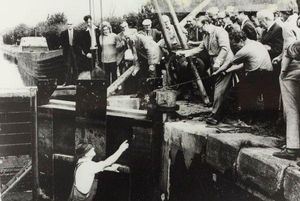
[149, 31]
[84, 184]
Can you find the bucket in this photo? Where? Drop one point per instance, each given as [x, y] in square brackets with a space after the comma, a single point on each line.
[166, 97]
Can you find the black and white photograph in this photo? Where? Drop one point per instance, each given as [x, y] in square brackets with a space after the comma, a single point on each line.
[149, 100]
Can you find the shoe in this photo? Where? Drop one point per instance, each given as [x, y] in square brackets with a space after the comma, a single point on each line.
[298, 164]
[286, 154]
[212, 121]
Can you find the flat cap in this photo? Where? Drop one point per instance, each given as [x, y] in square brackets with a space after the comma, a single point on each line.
[147, 22]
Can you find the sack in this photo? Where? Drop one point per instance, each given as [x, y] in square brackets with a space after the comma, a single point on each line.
[128, 55]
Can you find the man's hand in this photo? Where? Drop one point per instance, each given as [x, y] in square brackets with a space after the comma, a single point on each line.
[215, 68]
[276, 61]
[268, 47]
[136, 69]
[180, 53]
[124, 146]
[113, 168]
[152, 67]
[219, 73]
[89, 55]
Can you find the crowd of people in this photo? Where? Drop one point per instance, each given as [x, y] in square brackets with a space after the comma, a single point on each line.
[258, 57]
[252, 54]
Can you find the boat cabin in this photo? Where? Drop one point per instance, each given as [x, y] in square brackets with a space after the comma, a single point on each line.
[34, 44]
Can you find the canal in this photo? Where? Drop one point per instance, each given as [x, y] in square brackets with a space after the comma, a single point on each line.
[9, 74]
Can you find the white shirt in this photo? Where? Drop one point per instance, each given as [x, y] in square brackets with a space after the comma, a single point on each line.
[70, 32]
[85, 174]
[93, 37]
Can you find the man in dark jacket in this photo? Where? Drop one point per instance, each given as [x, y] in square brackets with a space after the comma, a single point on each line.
[273, 41]
[247, 26]
[69, 43]
[89, 42]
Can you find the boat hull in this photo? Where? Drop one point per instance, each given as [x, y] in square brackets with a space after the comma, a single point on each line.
[41, 65]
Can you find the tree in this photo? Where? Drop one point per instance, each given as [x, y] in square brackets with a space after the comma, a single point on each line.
[51, 29]
[57, 18]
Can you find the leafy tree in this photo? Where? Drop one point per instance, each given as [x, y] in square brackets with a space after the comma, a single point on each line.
[57, 18]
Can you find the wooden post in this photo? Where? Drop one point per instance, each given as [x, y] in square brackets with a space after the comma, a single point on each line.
[34, 140]
[195, 11]
[185, 46]
[113, 87]
[166, 38]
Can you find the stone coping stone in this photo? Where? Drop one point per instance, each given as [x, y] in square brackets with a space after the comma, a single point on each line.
[188, 136]
[222, 149]
[291, 184]
[258, 168]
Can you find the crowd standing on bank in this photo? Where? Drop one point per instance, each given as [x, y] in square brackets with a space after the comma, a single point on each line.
[254, 55]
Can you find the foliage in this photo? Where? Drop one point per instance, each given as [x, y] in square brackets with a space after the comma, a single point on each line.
[55, 19]
[115, 23]
[50, 28]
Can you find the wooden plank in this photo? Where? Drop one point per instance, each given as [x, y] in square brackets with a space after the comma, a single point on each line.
[15, 149]
[23, 116]
[14, 106]
[114, 86]
[18, 127]
[13, 138]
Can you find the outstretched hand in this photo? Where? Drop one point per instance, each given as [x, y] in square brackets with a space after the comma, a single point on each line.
[113, 168]
[124, 146]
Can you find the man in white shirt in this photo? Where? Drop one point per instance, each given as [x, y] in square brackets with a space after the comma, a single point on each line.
[90, 42]
[86, 169]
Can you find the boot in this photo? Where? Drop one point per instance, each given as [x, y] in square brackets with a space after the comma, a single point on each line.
[289, 154]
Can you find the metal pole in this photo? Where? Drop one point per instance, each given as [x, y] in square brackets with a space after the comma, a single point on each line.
[90, 7]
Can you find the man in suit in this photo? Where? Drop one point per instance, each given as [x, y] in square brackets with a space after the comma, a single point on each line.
[69, 42]
[273, 41]
[149, 31]
[89, 42]
[247, 26]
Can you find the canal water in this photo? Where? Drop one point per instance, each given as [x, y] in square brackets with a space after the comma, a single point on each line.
[10, 76]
